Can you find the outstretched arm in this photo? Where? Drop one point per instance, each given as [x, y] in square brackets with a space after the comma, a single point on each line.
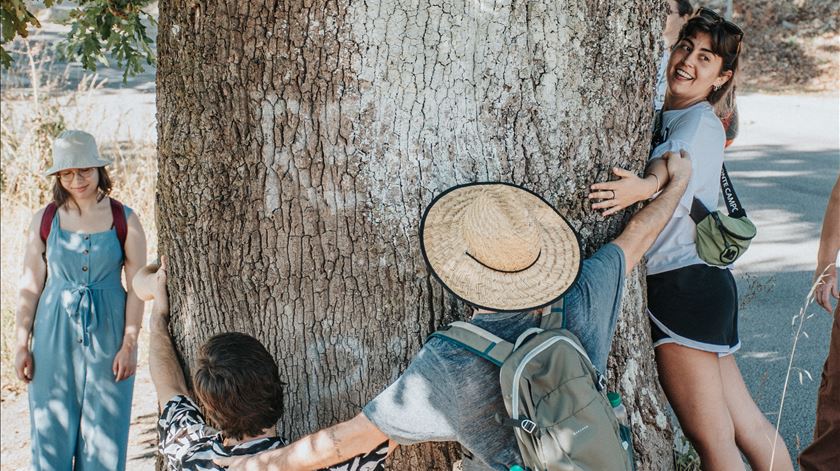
[645, 226]
[827, 254]
[166, 372]
[318, 450]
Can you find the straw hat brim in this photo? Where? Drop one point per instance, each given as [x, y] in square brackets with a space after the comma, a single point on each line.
[543, 283]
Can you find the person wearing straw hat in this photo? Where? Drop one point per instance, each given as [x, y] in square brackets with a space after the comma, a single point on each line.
[76, 327]
[507, 253]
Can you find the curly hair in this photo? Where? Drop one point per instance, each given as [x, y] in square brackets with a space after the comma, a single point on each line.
[238, 384]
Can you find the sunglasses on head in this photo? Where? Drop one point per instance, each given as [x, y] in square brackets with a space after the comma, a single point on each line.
[712, 16]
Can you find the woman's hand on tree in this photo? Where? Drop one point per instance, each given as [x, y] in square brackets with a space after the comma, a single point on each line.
[616, 195]
[125, 363]
[24, 365]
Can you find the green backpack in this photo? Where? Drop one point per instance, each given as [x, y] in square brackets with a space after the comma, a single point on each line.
[555, 398]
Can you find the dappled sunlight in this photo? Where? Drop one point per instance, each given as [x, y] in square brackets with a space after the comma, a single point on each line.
[784, 242]
[764, 356]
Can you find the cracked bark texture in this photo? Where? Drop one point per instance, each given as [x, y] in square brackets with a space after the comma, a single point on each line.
[299, 142]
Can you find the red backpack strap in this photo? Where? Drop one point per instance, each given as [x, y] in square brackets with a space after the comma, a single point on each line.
[46, 221]
[120, 223]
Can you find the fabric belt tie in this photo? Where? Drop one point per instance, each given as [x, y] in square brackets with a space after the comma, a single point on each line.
[81, 308]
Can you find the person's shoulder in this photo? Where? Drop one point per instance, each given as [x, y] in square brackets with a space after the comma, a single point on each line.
[697, 124]
[179, 405]
[438, 351]
[609, 254]
[35, 222]
[128, 210]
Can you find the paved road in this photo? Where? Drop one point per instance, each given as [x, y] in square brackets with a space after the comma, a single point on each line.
[784, 164]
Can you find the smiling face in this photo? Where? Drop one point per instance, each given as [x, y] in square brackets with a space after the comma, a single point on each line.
[80, 183]
[694, 71]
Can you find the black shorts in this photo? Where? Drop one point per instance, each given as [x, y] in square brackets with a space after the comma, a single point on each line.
[695, 306]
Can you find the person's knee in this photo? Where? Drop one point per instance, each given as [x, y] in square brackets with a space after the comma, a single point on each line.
[711, 437]
[755, 427]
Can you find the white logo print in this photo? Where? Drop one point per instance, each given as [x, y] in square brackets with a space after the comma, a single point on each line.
[581, 430]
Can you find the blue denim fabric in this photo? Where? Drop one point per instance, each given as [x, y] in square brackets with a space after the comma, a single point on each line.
[593, 303]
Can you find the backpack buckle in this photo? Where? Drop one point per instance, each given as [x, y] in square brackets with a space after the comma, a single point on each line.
[528, 425]
[602, 382]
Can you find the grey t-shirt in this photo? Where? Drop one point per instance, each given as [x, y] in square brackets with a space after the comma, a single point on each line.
[449, 394]
[697, 130]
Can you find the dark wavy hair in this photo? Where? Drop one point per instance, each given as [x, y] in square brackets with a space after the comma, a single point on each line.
[684, 7]
[238, 384]
[61, 197]
[725, 44]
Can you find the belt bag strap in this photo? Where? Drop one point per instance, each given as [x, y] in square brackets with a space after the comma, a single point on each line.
[733, 204]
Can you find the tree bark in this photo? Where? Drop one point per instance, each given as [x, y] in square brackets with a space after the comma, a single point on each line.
[300, 141]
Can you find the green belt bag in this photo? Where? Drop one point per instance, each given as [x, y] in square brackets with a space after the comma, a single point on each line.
[722, 238]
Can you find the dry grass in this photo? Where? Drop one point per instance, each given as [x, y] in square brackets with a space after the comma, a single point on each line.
[32, 115]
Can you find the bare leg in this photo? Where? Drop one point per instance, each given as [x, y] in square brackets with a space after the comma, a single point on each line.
[754, 434]
[692, 382]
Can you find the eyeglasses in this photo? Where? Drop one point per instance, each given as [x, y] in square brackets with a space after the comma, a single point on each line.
[712, 16]
[70, 175]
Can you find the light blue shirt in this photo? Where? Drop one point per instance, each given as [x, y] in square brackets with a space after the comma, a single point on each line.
[698, 131]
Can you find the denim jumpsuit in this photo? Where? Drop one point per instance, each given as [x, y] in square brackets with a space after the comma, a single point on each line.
[78, 412]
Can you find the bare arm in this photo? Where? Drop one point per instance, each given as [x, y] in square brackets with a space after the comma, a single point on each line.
[29, 292]
[827, 254]
[166, 372]
[645, 226]
[318, 450]
[125, 362]
[657, 169]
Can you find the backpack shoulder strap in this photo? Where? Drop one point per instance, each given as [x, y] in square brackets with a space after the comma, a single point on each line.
[556, 313]
[46, 221]
[120, 222]
[476, 340]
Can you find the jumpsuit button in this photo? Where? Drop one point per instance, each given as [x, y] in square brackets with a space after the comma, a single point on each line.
[84, 268]
[79, 340]
[85, 252]
[87, 237]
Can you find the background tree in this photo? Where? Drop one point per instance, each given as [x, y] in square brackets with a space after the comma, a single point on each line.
[300, 141]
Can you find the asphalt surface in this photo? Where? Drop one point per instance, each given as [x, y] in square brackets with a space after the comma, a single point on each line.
[783, 165]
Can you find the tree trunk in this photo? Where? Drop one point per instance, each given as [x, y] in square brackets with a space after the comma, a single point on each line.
[300, 141]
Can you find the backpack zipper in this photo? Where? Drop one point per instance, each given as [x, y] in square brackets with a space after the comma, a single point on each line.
[517, 375]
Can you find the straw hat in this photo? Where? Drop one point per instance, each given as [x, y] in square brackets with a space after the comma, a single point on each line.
[500, 247]
[75, 149]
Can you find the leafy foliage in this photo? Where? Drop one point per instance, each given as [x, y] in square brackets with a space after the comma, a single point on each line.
[98, 29]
